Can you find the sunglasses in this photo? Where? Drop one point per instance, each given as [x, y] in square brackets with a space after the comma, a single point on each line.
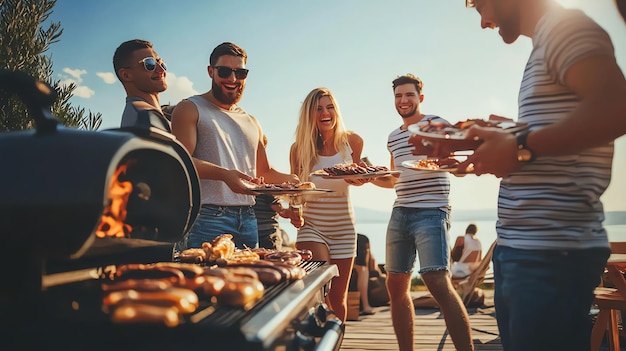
[225, 72]
[150, 63]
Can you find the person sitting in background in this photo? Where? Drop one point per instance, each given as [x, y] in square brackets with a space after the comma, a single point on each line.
[366, 269]
[361, 267]
[471, 253]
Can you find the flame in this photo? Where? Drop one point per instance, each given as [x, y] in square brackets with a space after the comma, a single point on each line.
[112, 221]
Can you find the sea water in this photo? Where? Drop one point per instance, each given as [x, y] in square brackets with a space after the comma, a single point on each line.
[376, 231]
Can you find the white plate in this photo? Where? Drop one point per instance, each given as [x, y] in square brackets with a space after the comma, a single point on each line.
[459, 134]
[415, 164]
[356, 176]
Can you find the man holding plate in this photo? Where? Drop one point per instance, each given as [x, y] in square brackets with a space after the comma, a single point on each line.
[227, 147]
[552, 247]
[419, 226]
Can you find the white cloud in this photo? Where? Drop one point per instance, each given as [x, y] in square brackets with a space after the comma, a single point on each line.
[75, 73]
[84, 92]
[107, 77]
[75, 76]
[178, 88]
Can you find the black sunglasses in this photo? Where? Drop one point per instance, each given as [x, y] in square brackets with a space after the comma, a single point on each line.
[225, 72]
[150, 63]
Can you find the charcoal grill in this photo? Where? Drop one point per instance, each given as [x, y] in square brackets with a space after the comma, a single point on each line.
[52, 205]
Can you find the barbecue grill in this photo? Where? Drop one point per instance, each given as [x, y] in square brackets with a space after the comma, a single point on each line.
[75, 203]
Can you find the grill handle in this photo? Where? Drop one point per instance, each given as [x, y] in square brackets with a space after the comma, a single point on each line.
[320, 331]
[38, 97]
[333, 336]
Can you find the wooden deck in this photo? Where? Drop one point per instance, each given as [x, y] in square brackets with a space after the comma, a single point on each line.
[375, 332]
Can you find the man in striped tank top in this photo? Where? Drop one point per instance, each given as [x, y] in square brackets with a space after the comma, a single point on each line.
[552, 247]
[418, 227]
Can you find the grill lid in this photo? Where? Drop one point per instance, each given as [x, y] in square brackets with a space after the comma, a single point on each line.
[56, 187]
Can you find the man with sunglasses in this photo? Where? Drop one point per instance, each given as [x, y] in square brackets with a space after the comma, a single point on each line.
[552, 246]
[142, 73]
[226, 144]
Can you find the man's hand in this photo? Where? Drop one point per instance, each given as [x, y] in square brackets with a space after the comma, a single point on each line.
[496, 155]
[441, 148]
[239, 182]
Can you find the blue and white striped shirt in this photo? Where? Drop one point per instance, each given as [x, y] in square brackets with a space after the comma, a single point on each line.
[554, 202]
[417, 189]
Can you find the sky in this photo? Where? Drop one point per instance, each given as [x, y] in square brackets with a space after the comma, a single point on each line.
[355, 48]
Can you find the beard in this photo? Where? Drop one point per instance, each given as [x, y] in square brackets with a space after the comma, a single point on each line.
[411, 113]
[227, 98]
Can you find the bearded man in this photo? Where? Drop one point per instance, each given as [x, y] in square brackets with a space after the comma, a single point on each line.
[226, 144]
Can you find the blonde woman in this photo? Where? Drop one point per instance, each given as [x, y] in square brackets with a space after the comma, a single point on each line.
[328, 230]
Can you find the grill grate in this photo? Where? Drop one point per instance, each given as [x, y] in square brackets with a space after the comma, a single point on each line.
[226, 317]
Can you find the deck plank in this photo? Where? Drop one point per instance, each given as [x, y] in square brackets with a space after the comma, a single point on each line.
[375, 332]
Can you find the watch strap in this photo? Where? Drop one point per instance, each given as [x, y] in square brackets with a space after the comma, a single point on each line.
[521, 145]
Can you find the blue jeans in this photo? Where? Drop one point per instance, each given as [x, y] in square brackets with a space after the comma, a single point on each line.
[543, 297]
[421, 232]
[213, 221]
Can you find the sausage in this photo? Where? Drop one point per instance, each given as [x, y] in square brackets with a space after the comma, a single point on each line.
[241, 292]
[141, 313]
[307, 255]
[185, 300]
[226, 272]
[190, 270]
[295, 272]
[267, 275]
[137, 284]
[206, 285]
[146, 271]
[291, 257]
[192, 255]
[284, 273]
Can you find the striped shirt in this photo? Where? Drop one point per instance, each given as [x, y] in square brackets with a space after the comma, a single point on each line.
[417, 189]
[554, 202]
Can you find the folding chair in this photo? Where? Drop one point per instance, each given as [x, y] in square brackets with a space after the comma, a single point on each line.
[610, 302]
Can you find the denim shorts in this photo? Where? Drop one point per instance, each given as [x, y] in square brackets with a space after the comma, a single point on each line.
[214, 220]
[542, 297]
[417, 232]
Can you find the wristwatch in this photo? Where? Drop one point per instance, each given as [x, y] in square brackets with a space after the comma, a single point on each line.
[524, 154]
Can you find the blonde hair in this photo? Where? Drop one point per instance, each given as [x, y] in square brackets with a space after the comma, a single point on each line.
[309, 141]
